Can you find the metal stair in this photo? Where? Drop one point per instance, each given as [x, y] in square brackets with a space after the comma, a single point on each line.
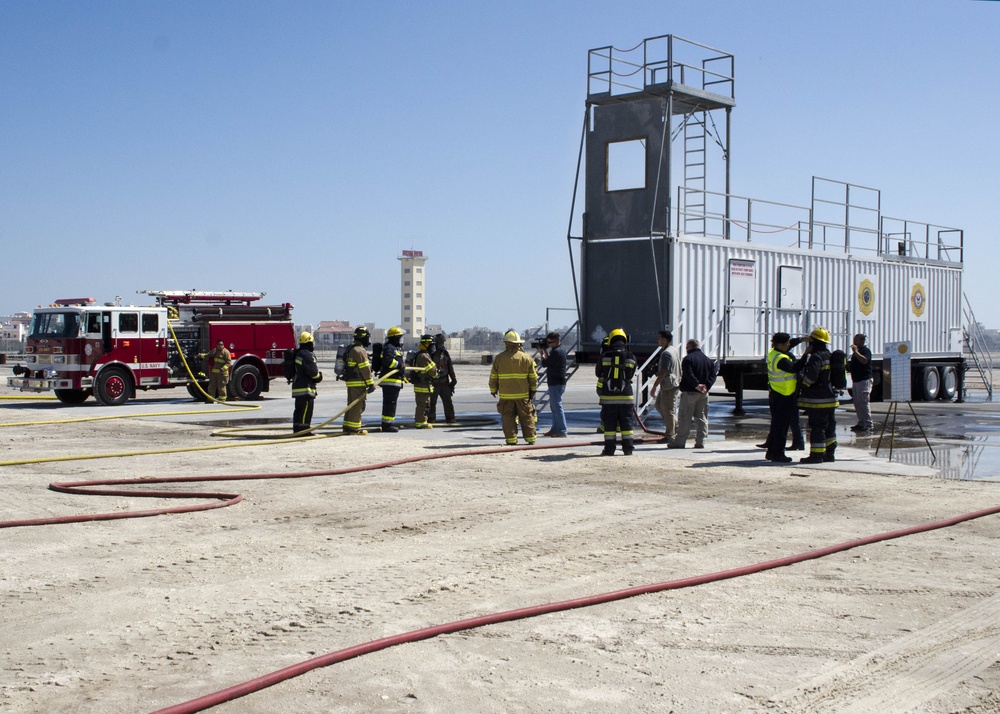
[978, 361]
[542, 395]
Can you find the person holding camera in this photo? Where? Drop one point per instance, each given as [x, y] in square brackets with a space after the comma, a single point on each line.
[860, 367]
[554, 359]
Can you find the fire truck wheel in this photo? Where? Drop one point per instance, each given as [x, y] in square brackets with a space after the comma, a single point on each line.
[72, 396]
[246, 382]
[113, 386]
[196, 393]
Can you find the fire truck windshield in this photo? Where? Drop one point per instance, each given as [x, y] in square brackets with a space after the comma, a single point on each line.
[55, 324]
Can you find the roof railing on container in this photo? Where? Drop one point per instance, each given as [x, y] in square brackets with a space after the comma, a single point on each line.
[862, 229]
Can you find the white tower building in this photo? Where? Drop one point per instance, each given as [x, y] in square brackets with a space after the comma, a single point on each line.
[412, 281]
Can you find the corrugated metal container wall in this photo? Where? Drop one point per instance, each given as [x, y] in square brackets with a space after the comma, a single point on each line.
[697, 294]
[893, 319]
[830, 298]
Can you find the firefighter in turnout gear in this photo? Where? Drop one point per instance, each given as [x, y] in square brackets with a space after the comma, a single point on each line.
[392, 361]
[219, 361]
[358, 375]
[422, 375]
[307, 376]
[818, 398]
[444, 383]
[513, 378]
[614, 388]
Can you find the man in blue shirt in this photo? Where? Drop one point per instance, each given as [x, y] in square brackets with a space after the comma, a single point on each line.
[554, 360]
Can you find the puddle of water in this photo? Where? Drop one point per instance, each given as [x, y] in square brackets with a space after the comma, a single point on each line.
[230, 423]
[966, 445]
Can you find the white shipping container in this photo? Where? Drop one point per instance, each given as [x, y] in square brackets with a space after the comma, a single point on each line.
[733, 296]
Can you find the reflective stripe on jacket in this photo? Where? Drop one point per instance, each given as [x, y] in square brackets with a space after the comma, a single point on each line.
[424, 373]
[392, 359]
[220, 359]
[306, 374]
[779, 380]
[616, 366]
[817, 393]
[359, 370]
[513, 375]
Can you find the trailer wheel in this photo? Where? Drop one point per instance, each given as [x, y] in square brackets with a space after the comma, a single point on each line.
[113, 387]
[246, 382]
[949, 383]
[878, 391]
[929, 383]
[72, 396]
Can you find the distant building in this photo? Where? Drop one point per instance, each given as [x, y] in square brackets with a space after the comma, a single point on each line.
[411, 290]
[331, 333]
[15, 331]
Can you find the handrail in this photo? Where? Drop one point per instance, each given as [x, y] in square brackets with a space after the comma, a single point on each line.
[605, 65]
[734, 217]
[642, 386]
[974, 337]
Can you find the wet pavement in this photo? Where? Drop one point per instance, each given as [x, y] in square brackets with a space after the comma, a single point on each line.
[962, 439]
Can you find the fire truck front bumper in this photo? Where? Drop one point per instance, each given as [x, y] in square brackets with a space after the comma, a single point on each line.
[32, 384]
[42, 381]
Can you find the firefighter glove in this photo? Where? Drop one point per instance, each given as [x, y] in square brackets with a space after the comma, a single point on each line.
[318, 377]
[371, 388]
[454, 383]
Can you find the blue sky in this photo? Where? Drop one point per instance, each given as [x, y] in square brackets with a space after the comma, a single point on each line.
[296, 147]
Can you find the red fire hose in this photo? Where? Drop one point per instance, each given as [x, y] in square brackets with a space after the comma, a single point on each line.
[220, 500]
[267, 680]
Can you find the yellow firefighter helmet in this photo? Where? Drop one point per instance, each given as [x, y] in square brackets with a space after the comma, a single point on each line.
[513, 337]
[821, 334]
[305, 338]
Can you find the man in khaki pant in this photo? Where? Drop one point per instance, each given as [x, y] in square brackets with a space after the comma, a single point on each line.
[219, 361]
[513, 378]
[668, 381]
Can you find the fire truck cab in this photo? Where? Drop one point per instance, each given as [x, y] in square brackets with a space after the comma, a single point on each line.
[77, 348]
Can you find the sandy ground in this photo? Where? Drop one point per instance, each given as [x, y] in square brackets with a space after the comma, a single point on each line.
[136, 615]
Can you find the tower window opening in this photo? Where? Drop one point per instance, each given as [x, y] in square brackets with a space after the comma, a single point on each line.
[626, 165]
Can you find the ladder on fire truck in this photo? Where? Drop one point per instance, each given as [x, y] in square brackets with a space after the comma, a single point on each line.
[177, 297]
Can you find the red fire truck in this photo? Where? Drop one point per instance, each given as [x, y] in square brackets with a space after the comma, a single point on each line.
[77, 348]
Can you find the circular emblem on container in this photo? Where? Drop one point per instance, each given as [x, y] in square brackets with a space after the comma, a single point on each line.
[918, 299]
[866, 297]
[902, 348]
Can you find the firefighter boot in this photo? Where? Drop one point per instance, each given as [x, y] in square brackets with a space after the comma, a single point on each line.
[828, 454]
[628, 446]
[815, 457]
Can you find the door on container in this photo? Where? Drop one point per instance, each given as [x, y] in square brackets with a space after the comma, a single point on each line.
[788, 316]
[744, 313]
